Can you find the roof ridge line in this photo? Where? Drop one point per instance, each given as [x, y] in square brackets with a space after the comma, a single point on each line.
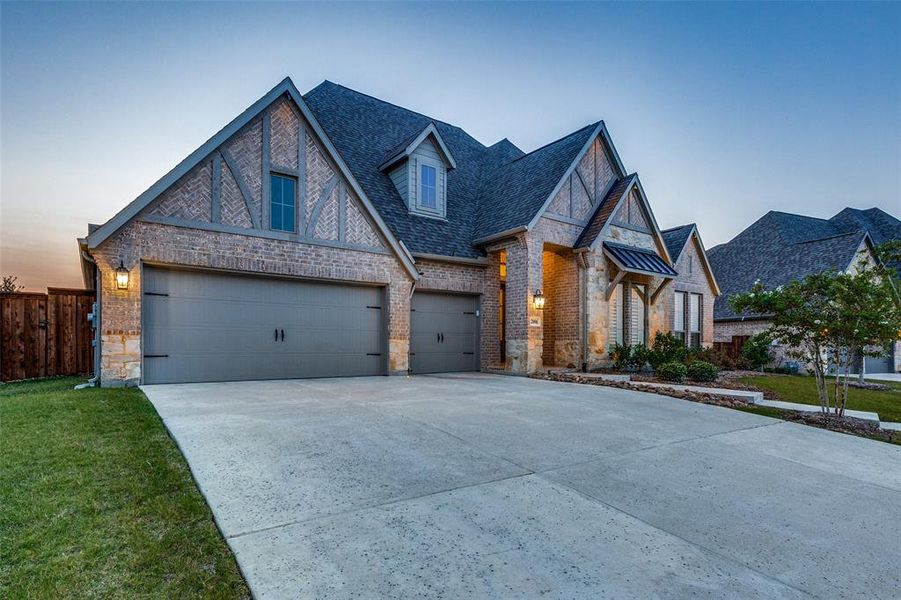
[560, 139]
[409, 110]
[831, 237]
[679, 227]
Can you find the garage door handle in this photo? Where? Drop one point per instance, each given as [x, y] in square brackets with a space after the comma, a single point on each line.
[442, 338]
[283, 335]
[276, 335]
[437, 338]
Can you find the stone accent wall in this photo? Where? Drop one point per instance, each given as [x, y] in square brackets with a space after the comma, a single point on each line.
[630, 237]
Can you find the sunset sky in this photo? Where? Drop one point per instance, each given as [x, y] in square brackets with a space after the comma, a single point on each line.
[726, 111]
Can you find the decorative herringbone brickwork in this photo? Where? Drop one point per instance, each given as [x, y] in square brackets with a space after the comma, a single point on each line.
[246, 149]
[359, 228]
[283, 133]
[190, 199]
[233, 208]
[319, 171]
[326, 226]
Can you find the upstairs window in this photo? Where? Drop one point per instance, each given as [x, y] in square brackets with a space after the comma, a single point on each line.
[428, 191]
[281, 203]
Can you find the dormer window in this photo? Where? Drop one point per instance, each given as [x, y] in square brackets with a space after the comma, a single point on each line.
[428, 193]
[418, 168]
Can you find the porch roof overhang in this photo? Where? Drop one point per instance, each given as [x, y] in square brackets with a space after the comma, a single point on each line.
[638, 260]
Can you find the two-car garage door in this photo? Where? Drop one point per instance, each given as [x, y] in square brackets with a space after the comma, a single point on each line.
[208, 326]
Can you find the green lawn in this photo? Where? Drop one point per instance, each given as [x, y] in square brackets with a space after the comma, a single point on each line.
[97, 501]
[802, 389]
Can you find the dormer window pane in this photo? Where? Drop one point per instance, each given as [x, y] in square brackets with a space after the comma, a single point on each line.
[428, 196]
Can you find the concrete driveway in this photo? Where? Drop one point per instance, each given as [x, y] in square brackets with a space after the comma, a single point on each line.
[490, 486]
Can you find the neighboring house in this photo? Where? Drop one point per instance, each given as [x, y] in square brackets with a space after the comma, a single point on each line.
[695, 289]
[781, 247]
[337, 234]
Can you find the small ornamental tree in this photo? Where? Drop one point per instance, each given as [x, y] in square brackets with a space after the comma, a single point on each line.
[802, 313]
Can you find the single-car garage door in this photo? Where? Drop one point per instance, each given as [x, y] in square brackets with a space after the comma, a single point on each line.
[208, 326]
[444, 333]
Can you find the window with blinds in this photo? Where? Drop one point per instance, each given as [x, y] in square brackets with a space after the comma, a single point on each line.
[679, 315]
[694, 318]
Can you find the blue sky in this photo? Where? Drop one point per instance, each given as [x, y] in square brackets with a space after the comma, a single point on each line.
[725, 110]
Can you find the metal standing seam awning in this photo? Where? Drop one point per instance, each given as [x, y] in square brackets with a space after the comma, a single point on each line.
[638, 260]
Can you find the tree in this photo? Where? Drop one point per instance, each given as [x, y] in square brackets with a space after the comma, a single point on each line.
[829, 318]
[802, 313]
[757, 350]
[9, 285]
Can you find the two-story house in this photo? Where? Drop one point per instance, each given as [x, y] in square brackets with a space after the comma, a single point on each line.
[333, 233]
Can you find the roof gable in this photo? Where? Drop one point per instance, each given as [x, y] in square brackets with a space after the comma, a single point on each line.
[408, 147]
[285, 87]
[601, 221]
[776, 249]
[677, 240]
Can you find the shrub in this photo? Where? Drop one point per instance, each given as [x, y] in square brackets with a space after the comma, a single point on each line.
[757, 350]
[625, 357]
[639, 356]
[701, 370]
[672, 371]
[666, 348]
[621, 356]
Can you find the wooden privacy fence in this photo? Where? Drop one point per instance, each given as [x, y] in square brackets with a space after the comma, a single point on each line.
[43, 335]
[733, 347]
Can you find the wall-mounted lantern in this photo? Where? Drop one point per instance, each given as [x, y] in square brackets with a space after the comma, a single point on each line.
[538, 300]
[121, 277]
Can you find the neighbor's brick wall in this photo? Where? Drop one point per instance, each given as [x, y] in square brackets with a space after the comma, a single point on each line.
[150, 242]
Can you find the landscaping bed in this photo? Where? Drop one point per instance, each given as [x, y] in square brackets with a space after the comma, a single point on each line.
[97, 501]
[849, 425]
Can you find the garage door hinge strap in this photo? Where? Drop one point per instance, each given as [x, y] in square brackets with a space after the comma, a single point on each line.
[373, 354]
[156, 356]
[154, 294]
[376, 307]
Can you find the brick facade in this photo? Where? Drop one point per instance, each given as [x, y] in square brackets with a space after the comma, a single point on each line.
[215, 217]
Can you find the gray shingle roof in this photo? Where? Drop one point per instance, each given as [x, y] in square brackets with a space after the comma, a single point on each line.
[515, 191]
[780, 247]
[675, 239]
[492, 189]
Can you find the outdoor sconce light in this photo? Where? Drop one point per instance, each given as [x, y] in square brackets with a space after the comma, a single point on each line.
[538, 300]
[121, 277]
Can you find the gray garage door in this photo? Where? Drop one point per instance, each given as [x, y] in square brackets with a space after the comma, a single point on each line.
[203, 326]
[880, 364]
[444, 333]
